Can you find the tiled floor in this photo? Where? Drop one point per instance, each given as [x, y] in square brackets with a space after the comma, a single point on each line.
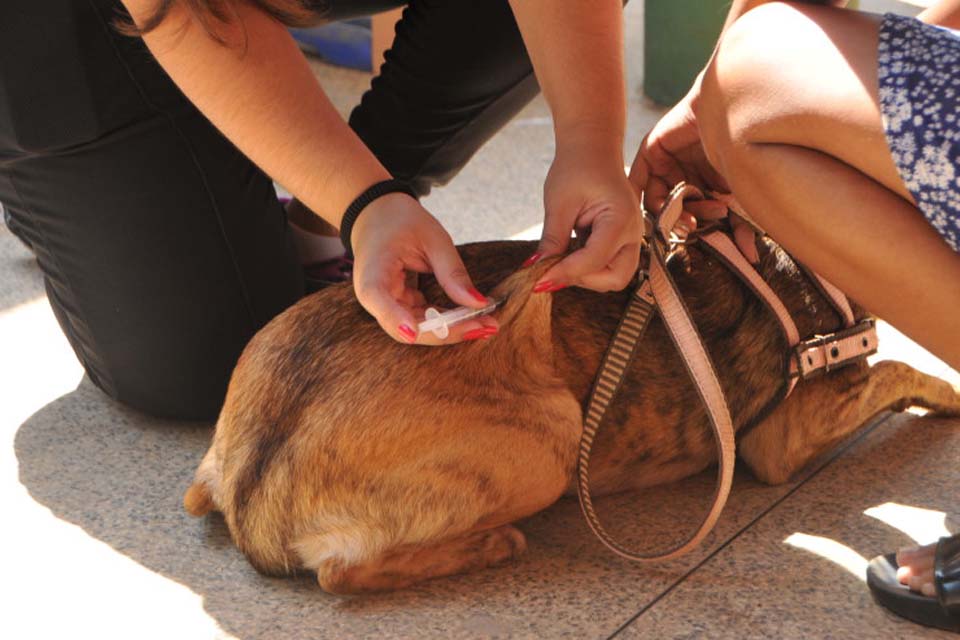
[94, 543]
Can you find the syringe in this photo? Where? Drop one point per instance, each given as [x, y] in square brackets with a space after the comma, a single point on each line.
[440, 322]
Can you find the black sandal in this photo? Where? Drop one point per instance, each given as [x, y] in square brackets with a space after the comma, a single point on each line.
[943, 611]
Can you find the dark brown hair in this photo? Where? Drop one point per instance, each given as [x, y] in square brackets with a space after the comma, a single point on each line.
[214, 13]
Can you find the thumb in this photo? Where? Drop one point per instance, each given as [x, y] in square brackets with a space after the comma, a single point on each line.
[452, 275]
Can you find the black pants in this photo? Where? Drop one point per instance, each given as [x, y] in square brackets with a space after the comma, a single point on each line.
[164, 248]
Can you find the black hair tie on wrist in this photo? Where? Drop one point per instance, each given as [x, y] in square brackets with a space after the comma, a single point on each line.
[372, 193]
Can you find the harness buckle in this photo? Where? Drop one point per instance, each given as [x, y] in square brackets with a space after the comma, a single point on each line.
[824, 353]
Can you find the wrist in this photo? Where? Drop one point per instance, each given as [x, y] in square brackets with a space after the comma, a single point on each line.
[373, 197]
[591, 151]
[596, 139]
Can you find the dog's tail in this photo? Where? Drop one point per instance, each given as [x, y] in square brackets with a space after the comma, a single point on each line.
[198, 501]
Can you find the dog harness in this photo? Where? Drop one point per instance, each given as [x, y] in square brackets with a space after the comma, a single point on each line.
[656, 290]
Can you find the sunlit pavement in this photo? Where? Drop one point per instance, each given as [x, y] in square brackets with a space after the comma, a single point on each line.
[94, 543]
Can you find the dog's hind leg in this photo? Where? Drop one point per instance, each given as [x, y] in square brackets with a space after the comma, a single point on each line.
[403, 567]
[823, 411]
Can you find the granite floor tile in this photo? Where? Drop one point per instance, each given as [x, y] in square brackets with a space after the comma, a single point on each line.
[798, 572]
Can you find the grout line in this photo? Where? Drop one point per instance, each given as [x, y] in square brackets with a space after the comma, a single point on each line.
[843, 449]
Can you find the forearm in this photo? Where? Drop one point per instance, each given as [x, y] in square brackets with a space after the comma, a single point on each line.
[259, 91]
[576, 47]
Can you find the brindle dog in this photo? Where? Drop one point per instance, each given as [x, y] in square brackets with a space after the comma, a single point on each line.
[378, 465]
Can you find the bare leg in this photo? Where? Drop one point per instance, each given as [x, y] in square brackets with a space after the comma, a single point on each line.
[789, 115]
[822, 412]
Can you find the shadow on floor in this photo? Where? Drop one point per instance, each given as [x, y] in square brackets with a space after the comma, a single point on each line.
[120, 475]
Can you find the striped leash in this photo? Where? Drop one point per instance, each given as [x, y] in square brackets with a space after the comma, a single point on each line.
[658, 290]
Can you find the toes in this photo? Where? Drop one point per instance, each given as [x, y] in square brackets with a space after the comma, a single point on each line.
[917, 557]
[918, 581]
[916, 568]
[904, 574]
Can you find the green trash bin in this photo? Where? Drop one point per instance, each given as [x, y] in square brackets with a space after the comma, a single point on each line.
[678, 38]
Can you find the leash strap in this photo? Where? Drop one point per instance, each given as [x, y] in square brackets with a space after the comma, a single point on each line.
[660, 289]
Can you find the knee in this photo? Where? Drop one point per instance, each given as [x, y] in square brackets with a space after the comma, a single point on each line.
[746, 81]
[174, 381]
[184, 395]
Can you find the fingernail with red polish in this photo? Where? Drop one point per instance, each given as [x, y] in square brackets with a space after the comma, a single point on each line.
[532, 260]
[477, 295]
[408, 333]
[482, 332]
[542, 287]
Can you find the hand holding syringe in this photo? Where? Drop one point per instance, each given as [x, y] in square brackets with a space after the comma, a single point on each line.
[440, 322]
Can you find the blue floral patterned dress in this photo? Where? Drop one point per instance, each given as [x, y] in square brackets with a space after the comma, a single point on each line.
[919, 75]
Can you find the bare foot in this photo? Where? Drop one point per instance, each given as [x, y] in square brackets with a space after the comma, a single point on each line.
[916, 568]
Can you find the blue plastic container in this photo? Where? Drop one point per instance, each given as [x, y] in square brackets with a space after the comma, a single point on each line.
[345, 43]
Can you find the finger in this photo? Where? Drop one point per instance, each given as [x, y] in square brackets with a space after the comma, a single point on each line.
[396, 319]
[655, 194]
[675, 131]
[662, 146]
[482, 328]
[639, 171]
[604, 242]
[452, 275]
[616, 275]
[555, 238]
[662, 165]
[686, 224]
[401, 320]
[413, 299]
[706, 209]
[694, 159]
[673, 174]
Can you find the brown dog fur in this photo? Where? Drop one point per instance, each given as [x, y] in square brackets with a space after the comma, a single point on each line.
[378, 465]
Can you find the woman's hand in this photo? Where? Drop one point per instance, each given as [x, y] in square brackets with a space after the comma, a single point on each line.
[672, 152]
[587, 191]
[393, 240]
